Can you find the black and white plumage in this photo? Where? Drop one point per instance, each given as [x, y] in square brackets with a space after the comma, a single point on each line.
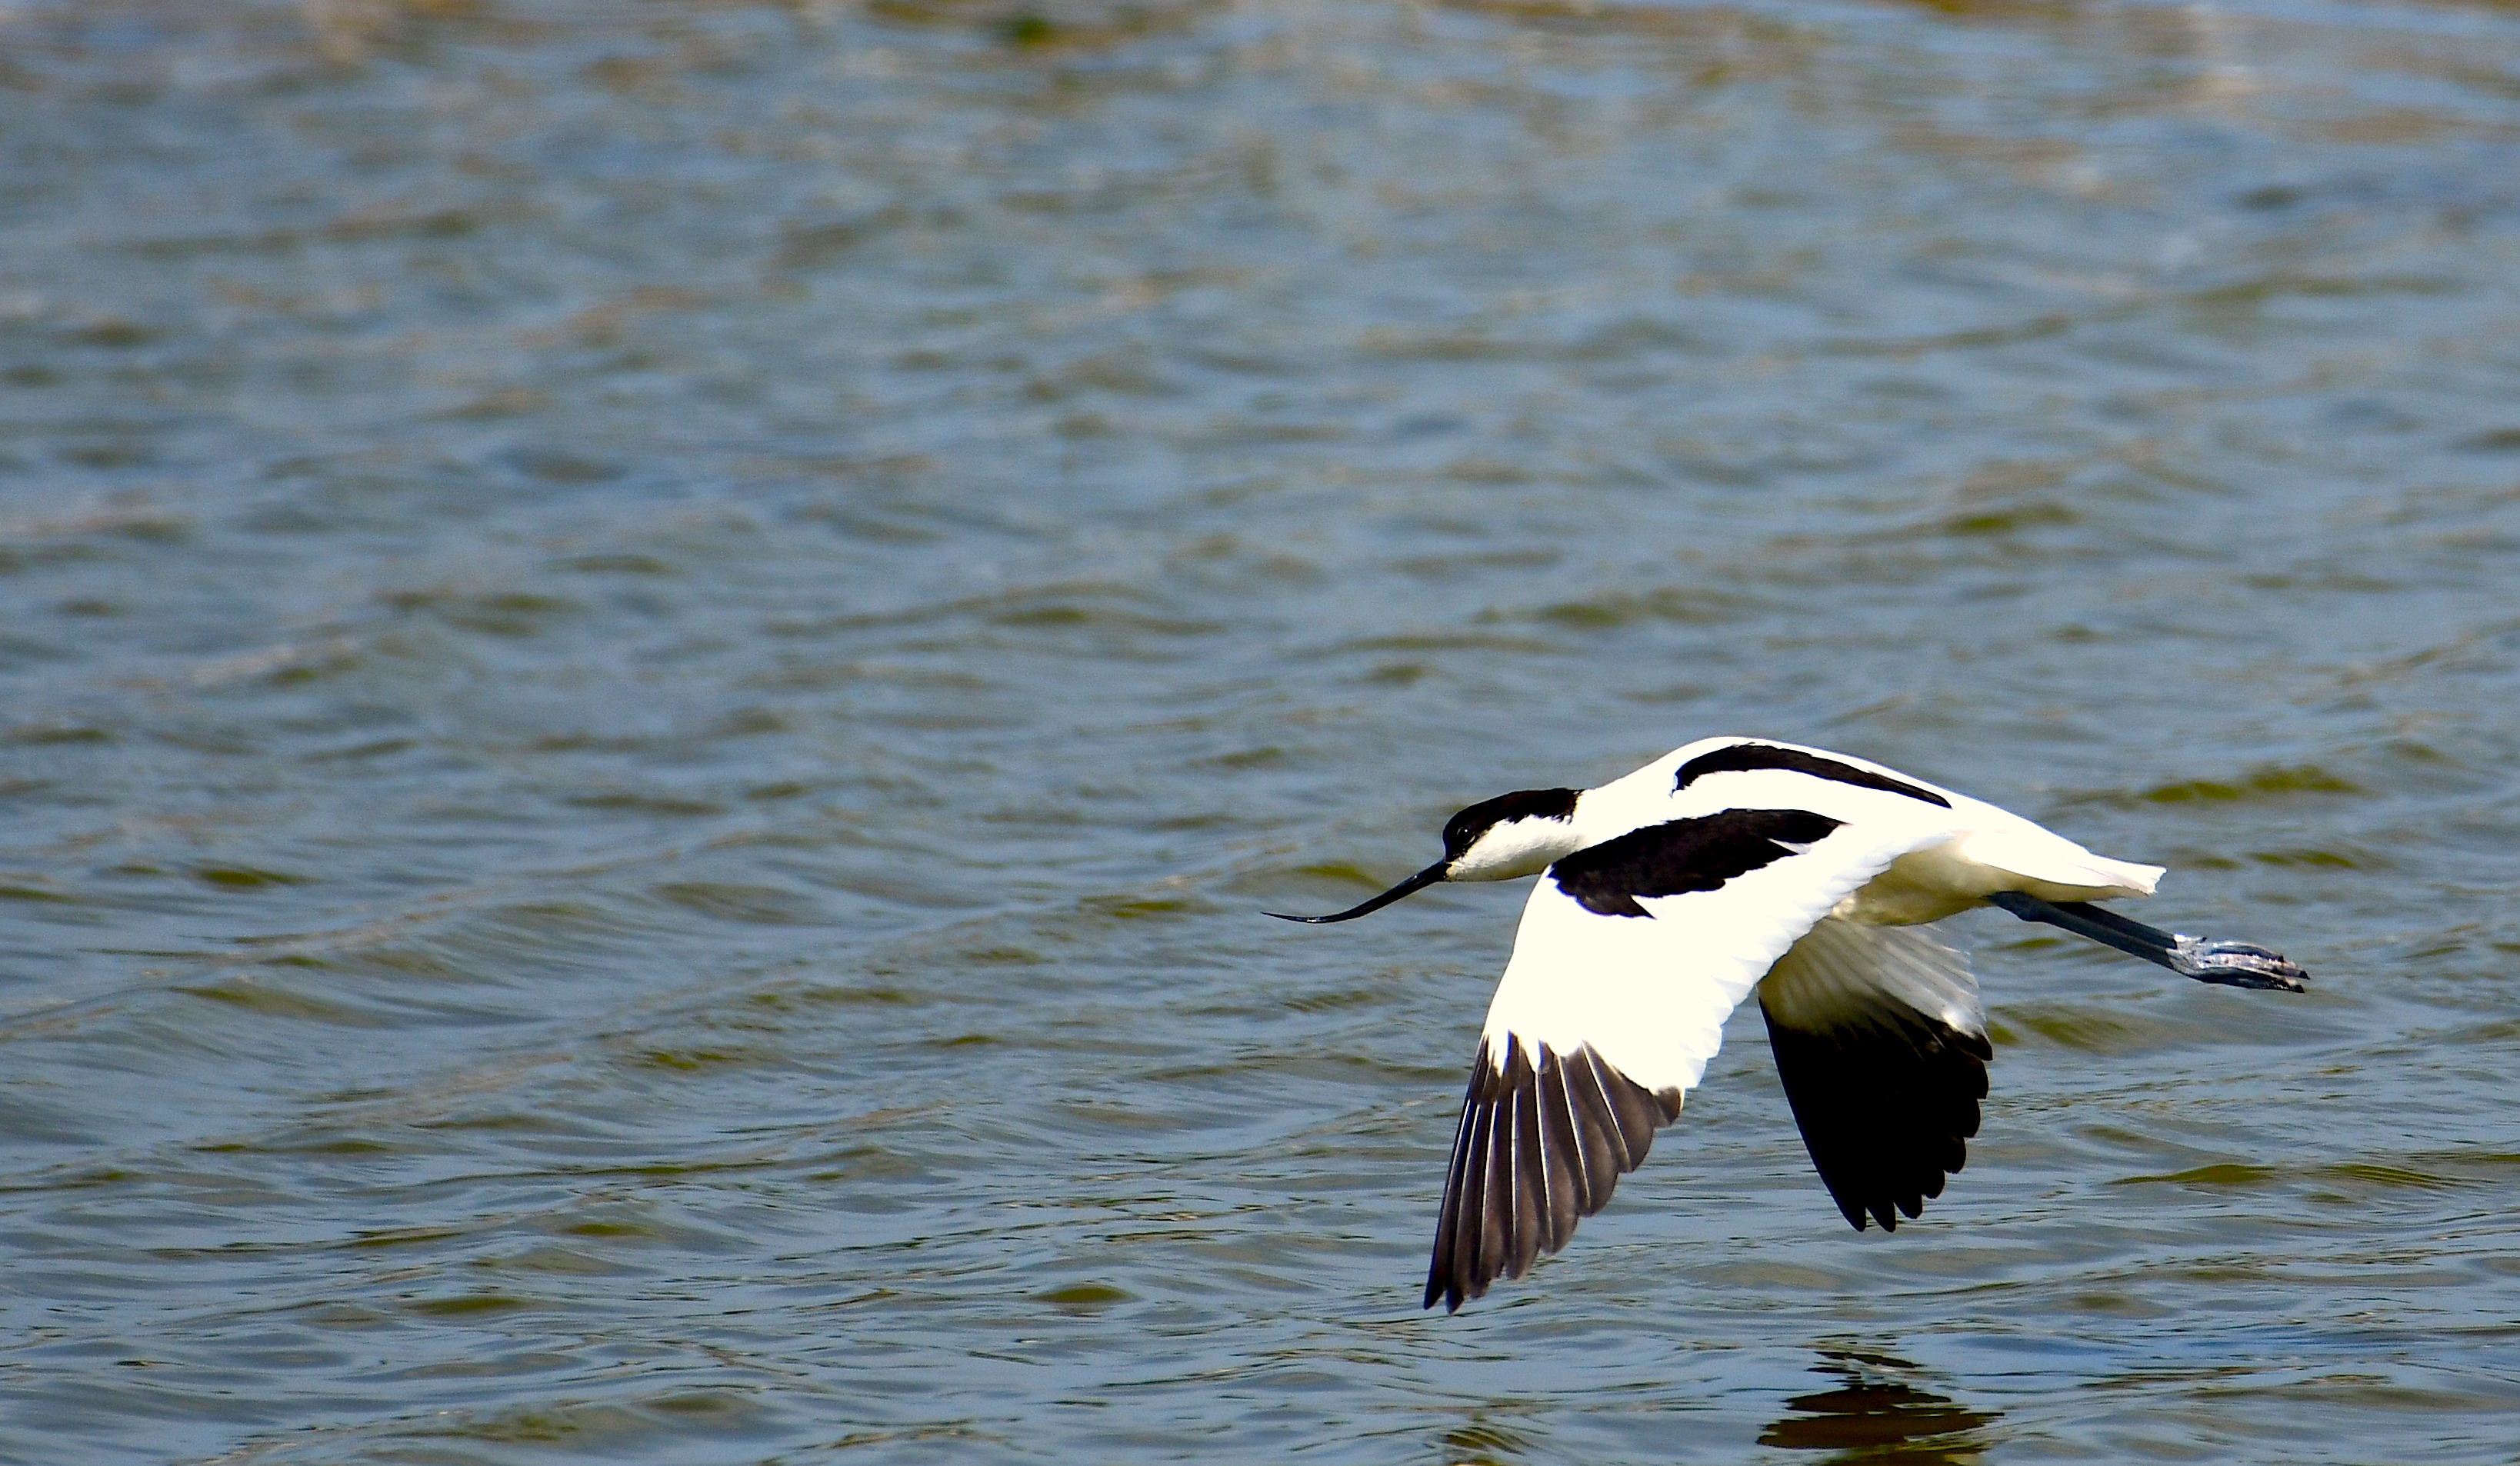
[1730, 865]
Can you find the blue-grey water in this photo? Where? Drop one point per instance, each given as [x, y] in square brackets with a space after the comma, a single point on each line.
[654, 658]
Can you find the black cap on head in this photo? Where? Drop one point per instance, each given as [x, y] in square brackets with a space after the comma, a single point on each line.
[1464, 829]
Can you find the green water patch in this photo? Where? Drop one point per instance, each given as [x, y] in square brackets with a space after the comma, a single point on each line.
[614, 565]
[1671, 605]
[2083, 1029]
[1058, 615]
[403, 1236]
[55, 734]
[692, 1061]
[1461, 640]
[467, 1305]
[1084, 1297]
[2329, 859]
[1138, 908]
[2273, 781]
[1452, 567]
[553, 1260]
[256, 995]
[344, 1147]
[633, 802]
[246, 878]
[809, 996]
[1341, 870]
[1340, 999]
[742, 902]
[1982, 523]
[2229, 1175]
[356, 753]
[1246, 758]
[514, 615]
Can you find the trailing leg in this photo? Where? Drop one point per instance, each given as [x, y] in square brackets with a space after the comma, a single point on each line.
[2237, 965]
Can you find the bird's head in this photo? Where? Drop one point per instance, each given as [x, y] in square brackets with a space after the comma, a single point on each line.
[1496, 839]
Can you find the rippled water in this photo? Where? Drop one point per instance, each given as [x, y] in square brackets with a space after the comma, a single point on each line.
[656, 657]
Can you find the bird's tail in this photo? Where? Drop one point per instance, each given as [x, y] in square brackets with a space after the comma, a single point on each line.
[2059, 869]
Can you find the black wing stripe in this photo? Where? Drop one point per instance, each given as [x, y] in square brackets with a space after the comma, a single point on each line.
[1539, 1145]
[1887, 1099]
[1679, 857]
[1741, 757]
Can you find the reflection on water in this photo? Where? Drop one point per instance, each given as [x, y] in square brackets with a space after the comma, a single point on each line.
[1873, 1419]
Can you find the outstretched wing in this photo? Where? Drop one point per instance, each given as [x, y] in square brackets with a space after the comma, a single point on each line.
[1882, 1050]
[1630, 954]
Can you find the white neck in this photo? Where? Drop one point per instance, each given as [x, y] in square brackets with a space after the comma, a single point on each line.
[1516, 847]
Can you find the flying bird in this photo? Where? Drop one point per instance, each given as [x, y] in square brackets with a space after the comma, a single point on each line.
[1666, 896]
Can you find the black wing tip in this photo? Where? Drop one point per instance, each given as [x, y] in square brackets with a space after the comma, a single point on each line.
[1540, 1143]
[1886, 1107]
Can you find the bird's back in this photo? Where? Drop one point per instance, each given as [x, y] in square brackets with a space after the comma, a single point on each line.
[1988, 849]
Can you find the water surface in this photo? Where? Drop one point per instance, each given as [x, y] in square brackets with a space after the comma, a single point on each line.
[654, 658]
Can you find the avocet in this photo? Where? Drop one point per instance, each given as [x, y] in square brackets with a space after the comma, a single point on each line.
[1667, 896]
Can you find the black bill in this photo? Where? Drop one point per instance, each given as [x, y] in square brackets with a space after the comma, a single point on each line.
[1418, 882]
